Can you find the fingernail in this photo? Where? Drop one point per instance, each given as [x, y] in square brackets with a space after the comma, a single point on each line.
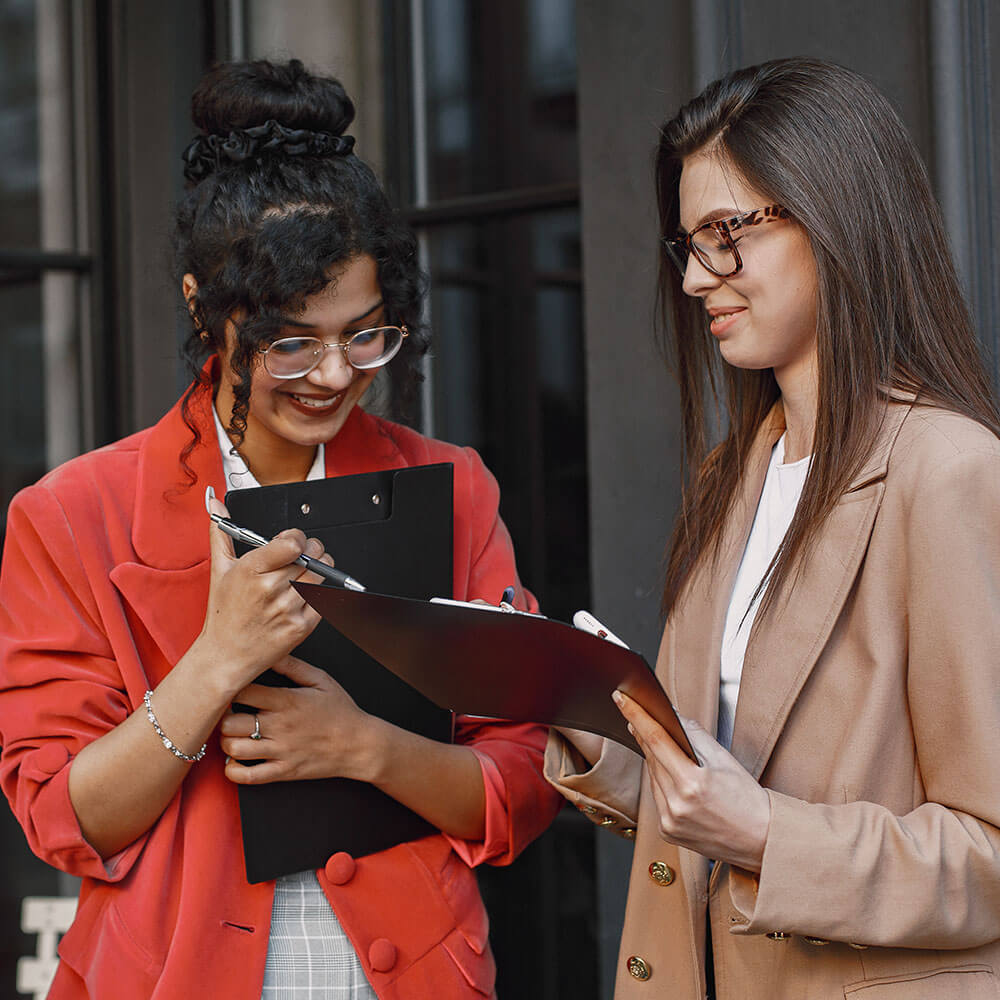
[617, 698]
[209, 497]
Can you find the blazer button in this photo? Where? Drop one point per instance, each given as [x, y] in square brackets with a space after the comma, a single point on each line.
[638, 968]
[816, 941]
[858, 947]
[661, 873]
[382, 954]
[340, 868]
[588, 810]
[608, 821]
[629, 833]
[778, 936]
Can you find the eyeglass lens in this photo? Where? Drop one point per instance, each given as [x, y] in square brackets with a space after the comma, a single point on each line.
[711, 249]
[714, 251]
[291, 357]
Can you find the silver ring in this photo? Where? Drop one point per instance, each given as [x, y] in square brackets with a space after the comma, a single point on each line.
[255, 735]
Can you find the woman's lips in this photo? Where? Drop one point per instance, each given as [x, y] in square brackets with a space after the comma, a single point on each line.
[314, 406]
[723, 319]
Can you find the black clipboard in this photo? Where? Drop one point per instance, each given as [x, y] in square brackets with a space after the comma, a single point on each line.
[393, 531]
[483, 661]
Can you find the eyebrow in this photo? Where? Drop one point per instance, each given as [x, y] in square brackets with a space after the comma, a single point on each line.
[357, 319]
[714, 215]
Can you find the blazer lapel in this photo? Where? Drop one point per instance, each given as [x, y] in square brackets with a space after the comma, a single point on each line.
[787, 640]
[689, 660]
[166, 586]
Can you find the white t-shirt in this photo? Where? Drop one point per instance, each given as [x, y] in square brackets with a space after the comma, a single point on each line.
[778, 500]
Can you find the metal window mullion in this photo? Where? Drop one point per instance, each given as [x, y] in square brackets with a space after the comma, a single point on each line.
[418, 107]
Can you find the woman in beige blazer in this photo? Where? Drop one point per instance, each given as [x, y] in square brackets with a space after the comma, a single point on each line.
[846, 844]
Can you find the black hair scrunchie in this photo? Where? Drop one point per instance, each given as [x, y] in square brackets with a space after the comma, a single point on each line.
[206, 154]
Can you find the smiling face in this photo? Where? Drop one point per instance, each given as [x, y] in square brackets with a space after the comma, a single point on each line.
[288, 418]
[765, 315]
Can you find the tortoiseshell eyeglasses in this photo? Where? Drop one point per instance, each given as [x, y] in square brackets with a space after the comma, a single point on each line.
[714, 244]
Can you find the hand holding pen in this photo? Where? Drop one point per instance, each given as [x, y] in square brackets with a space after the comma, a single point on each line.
[249, 537]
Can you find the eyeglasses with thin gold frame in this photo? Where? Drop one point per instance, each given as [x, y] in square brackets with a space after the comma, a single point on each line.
[294, 357]
[714, 244]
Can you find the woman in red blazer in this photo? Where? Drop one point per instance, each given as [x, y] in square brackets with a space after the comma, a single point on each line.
[129, 627]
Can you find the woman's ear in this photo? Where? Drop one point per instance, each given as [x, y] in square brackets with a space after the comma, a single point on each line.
[189, 286]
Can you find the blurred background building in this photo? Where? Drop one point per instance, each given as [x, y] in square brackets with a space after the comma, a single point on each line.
[517, 138]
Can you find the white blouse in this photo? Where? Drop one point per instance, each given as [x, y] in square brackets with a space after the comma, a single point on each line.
[778, 500]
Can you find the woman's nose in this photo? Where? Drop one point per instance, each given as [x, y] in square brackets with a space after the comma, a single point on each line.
[333, 371]
[698, 279]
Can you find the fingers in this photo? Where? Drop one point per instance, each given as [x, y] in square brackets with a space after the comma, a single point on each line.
[280, 553]
[651, 735]
[256, 774]
[317, 553]
[302, 673]
[241, 725]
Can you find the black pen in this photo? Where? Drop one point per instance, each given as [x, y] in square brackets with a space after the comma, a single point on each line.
[313, 565]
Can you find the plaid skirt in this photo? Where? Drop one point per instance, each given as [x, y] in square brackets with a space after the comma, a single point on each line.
[308, 954]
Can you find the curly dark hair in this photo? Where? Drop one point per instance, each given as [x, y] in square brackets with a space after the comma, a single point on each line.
[275, 199]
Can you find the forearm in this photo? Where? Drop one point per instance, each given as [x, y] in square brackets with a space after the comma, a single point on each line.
[441, 782]
[121, 783]
[857, 872]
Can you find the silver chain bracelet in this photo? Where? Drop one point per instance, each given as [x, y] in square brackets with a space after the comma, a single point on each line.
[167, 742]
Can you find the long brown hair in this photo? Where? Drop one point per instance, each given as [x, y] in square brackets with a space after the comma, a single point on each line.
[824, 143]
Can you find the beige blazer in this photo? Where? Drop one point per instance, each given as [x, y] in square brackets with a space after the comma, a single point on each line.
[870, 709]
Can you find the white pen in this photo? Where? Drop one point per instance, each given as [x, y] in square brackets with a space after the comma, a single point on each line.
[586, 622]
[249, 537]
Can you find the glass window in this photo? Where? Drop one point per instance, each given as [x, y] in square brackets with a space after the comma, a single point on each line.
[499, 95]
[40, 286]
[508, 379]
[491, 106]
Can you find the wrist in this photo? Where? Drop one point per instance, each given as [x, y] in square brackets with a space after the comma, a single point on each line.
[203, 669]
[375, 750]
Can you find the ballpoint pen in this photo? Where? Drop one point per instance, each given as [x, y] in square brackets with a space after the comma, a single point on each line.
[249, 537]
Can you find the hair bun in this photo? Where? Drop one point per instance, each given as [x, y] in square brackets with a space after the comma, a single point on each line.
[242, 95]
[247, 109]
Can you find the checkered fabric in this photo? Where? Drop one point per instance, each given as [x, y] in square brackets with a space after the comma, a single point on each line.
[308, 954]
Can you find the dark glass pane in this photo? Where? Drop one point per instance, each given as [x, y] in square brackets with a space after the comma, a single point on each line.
[36, 134]
[500, 95]
[508, 380]
[18, 124]
[22, 391]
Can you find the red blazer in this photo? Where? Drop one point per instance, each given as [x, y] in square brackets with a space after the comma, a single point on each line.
[103, 588]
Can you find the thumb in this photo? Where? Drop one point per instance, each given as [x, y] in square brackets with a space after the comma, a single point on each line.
[220, 545]
[302, 673]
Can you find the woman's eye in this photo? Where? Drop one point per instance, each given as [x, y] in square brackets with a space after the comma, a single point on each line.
[290, 345]
[712, 242]
[362, 337]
